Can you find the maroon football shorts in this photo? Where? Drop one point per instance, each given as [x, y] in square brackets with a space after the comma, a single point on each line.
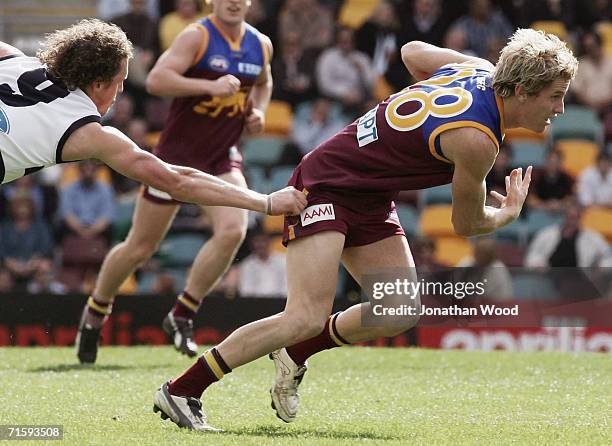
[325, 214]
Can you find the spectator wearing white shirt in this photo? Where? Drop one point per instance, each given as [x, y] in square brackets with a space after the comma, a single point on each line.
[346, 74]
[263, 273]
[307, 134]
[592, 86]
[567, 244]
[111, 8]
[595, 183]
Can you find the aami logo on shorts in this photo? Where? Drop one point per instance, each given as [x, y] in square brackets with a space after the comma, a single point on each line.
[5, 126]
[218, 63]
[318, 212]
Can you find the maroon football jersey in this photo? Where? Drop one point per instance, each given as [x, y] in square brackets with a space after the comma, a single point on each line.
[203, 131]
[395, 146]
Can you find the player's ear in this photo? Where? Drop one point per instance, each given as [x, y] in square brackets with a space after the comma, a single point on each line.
[520, 93]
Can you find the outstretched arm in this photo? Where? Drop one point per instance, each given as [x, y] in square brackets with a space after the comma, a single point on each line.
[473, 154]
[182, 183]
[423, 59]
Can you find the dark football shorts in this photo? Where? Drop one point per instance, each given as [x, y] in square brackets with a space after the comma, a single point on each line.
[325, 214]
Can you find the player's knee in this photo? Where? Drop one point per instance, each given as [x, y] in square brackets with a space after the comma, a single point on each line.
[231, 234]
[140, 251]
[302, 328]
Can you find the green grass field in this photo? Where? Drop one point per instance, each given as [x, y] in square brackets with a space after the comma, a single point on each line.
[349, 396]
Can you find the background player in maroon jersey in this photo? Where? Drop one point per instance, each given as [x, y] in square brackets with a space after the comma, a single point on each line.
[446, 128]
[219, 74]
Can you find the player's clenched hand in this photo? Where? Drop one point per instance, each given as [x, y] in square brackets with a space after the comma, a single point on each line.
[287, 201]
[516, 191]
[254, 122]
[225, 86]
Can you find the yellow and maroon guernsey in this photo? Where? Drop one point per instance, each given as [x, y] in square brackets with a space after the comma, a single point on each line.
[395, 146]
[202, 131]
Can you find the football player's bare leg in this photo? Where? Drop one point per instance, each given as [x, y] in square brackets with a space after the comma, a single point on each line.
[229, 227]
[345, 327]
[312, 274]
[150, 223]
[392, 252]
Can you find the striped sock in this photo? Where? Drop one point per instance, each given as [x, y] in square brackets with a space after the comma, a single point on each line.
[209, 368]
[329, 338]
[96, 312]
[186, 306]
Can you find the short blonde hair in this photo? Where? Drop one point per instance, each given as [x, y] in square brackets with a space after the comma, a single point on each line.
[532, 59]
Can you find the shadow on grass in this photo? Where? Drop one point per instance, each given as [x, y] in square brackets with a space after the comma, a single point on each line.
[59, 368]
[277, 431]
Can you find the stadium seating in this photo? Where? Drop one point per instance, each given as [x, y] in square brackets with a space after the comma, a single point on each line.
[436, 195]
[156, 112]
[600, 220]
[355, 12]
[436, 221]
[70, 173]
[451, 250]
[146, 280]
[577, 123]
[551, 27]
[528, 153]
[179, 250]
[607, 123]
[515, 232]
[123, 219]
[276, 244]
[257, 180]
[129, 285]
[605, 30]
[538, 219]
[279, 176]
[408, 197]
[382, 89]
[262, 151]
[153, 138]
[81, 260]
[577, 155]
[279, 118]
[23, 22]
[273, 224]
[510, 254]
[302, 112]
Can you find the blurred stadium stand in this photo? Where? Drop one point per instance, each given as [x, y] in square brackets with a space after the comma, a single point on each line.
[25, 21]
[580, 133]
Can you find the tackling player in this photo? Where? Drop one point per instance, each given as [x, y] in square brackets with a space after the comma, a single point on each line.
[218, 71]
[50, 109]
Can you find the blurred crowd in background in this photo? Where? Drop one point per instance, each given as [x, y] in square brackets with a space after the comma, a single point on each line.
[332, 61]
